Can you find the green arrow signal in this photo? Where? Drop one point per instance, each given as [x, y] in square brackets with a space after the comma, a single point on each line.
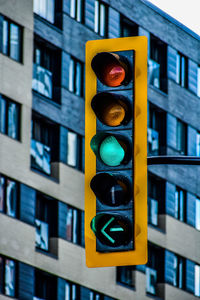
[111, 229]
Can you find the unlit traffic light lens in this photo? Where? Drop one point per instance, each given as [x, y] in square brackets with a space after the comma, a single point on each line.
[111, 190]
[111, 109]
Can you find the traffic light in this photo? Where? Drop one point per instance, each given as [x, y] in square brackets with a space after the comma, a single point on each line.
[116, 152]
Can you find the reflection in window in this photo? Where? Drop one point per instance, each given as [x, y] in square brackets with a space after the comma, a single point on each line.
[75, 150]
[71, 291]
[72, 149]
[197, 281]
[198, 144]
[45, 9]
[197, 225]
[9, 117]
[181, 137]
[77, 10]
[100, 21]
[9, 277]
[74, 226]
[198, 81]
[8, 196]
[151, 280]
[11, 39]
[76, 77]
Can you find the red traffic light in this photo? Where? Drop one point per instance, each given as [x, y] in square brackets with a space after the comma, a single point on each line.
[111, 69]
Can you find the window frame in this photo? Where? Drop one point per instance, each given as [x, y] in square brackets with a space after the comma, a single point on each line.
[8, 30]
[77, 11]
[182, 70]
[5, 123]
[5, 207]
[76, 77]
[101, 17]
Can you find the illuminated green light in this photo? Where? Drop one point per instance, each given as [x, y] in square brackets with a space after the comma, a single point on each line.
[111, 152]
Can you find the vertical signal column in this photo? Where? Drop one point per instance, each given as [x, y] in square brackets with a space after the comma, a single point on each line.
[113, 232]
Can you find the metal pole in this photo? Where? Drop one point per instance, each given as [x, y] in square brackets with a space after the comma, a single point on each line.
[173, 160]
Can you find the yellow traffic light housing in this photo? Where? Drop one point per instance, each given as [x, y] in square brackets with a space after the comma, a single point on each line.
[116, 152]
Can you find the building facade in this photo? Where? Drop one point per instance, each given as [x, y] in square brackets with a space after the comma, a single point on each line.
[42, 48]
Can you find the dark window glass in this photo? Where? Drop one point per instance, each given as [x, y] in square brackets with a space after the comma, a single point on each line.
[77, 10]
[182, 70]
[74, 224]
[101, 18]
[128, 28]
[45, 285]
[177, 273]
[9, 117]
[125, 276]
[157, 64]
[11, 39]
[180, 204]
[181, 136]
[76, 77]
[2, 193]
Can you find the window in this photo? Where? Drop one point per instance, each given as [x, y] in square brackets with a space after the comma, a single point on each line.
[175, 270]
[197, 225]
[9, 196]
[101, 18]
[44, 144]
[11, 44]
[9, 117]
[76, 77]
[128, 28]
[45, 286]
[156, 197]
[181, 137]
[198, 144]
[197, 281]
[8, 277]
[46, 70]
[156, 132]
[71, 291]
[125, 276]
[75, 150]
[77, 10]
[198, 81]
[45, 221]
[180, 204]
[182, 70]
[75, 226]
[157, 64]
[45, 9]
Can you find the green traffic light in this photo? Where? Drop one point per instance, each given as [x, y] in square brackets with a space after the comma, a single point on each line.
[111, 152]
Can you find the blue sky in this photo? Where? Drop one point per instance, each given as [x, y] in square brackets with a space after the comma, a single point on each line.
[185, 11]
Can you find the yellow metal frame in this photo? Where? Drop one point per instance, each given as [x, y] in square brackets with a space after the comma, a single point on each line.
[139, 255]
